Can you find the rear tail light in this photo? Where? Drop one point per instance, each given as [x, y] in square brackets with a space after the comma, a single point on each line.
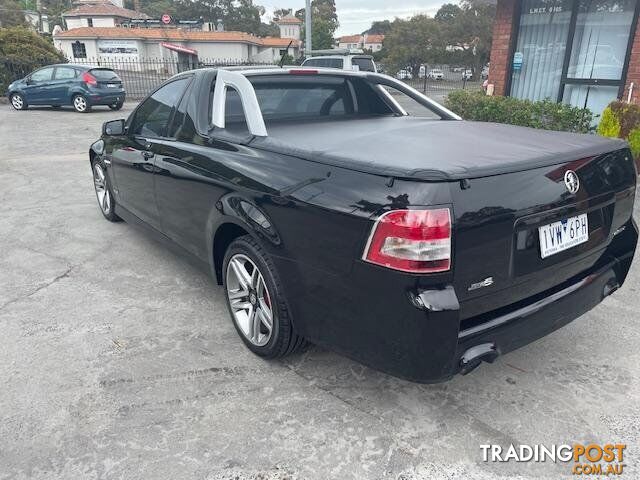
[416, 241]
[89, 79]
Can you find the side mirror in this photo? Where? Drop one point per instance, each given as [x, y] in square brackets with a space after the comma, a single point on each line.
[28, 81]
[113, 128]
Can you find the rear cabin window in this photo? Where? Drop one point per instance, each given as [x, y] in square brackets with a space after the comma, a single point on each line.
[325, 63]
[291, 97]
[364, 64]
[103, 74]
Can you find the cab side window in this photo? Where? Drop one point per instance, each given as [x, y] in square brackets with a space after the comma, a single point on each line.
[152, 117]
[42, 75]
[65, 73]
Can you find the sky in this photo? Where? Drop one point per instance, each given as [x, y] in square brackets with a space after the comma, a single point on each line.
[355, 16]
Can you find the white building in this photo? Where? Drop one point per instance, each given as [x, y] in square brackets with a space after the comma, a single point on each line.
[99, 13]
[365, 42]
[131, 45]
[290, 27]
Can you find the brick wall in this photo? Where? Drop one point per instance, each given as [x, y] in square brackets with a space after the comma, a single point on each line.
[633, 75]
[500, 59]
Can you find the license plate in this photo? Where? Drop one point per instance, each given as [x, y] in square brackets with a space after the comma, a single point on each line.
[112, 85]
[560, 236]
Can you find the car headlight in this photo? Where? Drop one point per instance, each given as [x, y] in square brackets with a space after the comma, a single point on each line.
[98, 147]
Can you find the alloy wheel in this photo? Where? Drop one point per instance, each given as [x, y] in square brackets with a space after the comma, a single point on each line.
[79, 103]
[102, 191]
[249, 300]
[17, 102]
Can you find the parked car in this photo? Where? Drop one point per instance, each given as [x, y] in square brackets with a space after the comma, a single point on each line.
[435, 74]
[343, 60]
[467, 74]
[404, 74]
[420, 246]
[80, 86]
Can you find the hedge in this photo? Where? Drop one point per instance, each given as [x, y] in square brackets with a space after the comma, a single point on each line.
[546, 114]
[22, 51]
[622, 120]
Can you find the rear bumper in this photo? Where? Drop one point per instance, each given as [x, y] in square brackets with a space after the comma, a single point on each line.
[384, 321]
[106, 97]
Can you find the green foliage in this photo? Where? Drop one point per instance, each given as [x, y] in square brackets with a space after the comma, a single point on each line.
[11, 13]
[412, 42]
[634, 142]
[546, 115]
[287, 59]
[22, 51]
[457, 35]
[609, 124]
[379, 27]
[622, 120]
[324, 23]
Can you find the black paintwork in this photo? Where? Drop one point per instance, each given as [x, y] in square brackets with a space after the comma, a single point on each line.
[314, 217]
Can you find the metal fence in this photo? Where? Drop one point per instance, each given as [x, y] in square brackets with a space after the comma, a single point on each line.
[141, 76]
[437, 81]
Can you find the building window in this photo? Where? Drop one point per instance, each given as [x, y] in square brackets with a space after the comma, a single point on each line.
[79, 50]
[572, 51]
[90, 22]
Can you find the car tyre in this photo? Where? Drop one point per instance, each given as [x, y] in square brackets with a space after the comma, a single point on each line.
[104, 193]
[18, 101]
[116, 106]
[81, 104]
[256, 301]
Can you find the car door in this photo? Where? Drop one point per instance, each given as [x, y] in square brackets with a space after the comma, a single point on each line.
[38, 86]
[133, 159]
[63, 80]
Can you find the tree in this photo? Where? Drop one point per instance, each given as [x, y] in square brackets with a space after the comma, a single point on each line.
[379, 28]
[22, 50]
[11, 13]
[467, 32]
[324, 23]
[413, 42]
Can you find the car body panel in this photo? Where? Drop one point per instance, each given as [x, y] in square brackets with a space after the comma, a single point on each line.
[313, 218]
[61, 91]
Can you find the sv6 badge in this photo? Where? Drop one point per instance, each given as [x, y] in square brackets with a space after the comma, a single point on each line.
[487, 282]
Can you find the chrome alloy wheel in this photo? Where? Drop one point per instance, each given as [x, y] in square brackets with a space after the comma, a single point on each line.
[102, 191]
[79, 103]
[249, 300]
[17, 102]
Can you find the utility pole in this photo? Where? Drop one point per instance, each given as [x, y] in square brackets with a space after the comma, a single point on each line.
[307, 14]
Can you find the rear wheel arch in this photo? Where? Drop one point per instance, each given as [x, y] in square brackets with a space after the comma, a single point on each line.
[224, 235]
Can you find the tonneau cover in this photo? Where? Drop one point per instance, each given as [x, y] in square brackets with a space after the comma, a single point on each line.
[432, 150]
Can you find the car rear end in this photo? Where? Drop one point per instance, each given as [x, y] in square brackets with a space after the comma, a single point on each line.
[103, 86]
[477, 268]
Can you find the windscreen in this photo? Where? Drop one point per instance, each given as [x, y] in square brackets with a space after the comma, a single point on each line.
[294, 97]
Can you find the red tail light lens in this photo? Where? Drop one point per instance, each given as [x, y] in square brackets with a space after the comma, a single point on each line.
[416, 241]
[89, 79]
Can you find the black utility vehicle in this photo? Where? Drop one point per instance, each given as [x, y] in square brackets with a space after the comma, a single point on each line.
[420, 245]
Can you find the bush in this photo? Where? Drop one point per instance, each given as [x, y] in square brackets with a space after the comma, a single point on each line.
[22, 51]
[547, 115]
[622, 120]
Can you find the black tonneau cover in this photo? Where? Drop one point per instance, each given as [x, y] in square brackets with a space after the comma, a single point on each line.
[426, 149]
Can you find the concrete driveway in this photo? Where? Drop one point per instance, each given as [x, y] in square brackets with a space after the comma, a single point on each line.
[118, 360]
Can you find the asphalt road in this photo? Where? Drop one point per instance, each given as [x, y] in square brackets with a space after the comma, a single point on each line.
[119, 361]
